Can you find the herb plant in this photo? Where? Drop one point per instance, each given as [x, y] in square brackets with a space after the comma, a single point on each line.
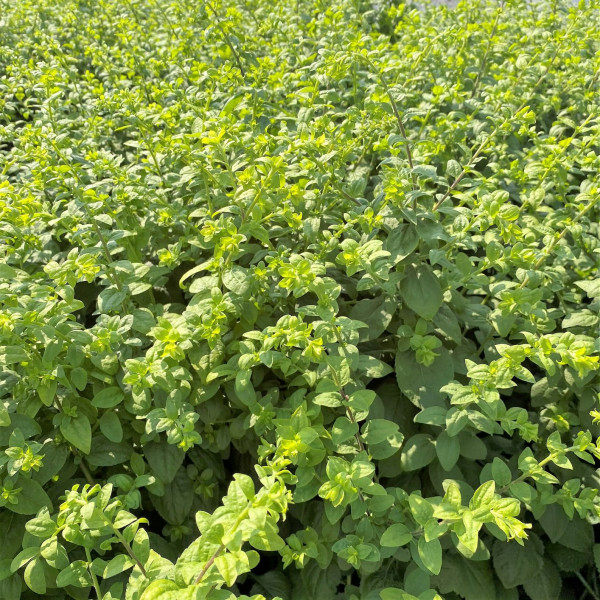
[299, 300]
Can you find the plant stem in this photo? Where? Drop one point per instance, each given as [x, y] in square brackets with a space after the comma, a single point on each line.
[129, 551]
[88, 476]
[209, 564]
[345, 396]
[559, 237]
[587, 586]
[493, 133]
[396, 112]
[487, 51]
[227, 40]
[525, 475]
[92, 574]
[217, 552]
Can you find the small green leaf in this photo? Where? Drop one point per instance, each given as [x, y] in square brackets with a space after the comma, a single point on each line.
[111, 299]
[108, 398]
[396, 535]
[32, 497]
[500, 472]
[110, 426]
[35, 577]
[448, 450]
[23, 558]
[396, 594]
[418, 452]
[42, 526]
[483, 495]
[421, 290]
[430, 554]
[75, 574]
[10, 355]
[77, 431]
[117, 565]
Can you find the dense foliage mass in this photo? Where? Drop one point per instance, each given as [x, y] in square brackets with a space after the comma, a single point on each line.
[298, 299]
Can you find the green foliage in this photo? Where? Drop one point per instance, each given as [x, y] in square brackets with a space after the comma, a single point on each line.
[299, 300]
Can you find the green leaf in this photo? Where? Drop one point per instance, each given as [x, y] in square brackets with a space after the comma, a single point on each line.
[546, 585]
[105, 453]
[483, 495]
[32, 497]
[396, 535]
[402, 242]
[243, 387]
[430, 554]
[591, 287]
[579, 535]
[500, 472]
[446, 322]
[108, 398]
[470, 579]
[581, 318]
[361, 400]
[554, 522]
[175, 505]
[231, 104]
[230, 566]
[515, 564]
[379, 430]
[395, 594]
[372, 367]
[237, 280]
[418, 452]
[111, 299]
[10, 355]
[164, 589]
[434, 415]
[376, 313]
[10, 589]
[421, 384]
[25, 424]
[78, 431]
[425, 171]
[453, 168]
[117, 565]
[330, 399]
[75, 574]
[164, 459]
[23, 558]
[421, 509]
[42, 526]
[110, 426]
[447, 450]
[54, 553]
[35, 577]
[421, 290]
[79, 377]
[342, 430]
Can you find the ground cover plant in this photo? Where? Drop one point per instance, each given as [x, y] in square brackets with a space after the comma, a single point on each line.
[299, 299]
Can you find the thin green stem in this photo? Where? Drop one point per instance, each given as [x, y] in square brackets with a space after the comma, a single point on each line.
[487, 51]
[558, 238]
[587, 586]
[226, 38]
[129, 550]
[95, 582]
[217, 552]
[88, 476]
[209, 564]
[395, 110]
[493, 133]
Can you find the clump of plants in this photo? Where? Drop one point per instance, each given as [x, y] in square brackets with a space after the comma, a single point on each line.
[299, 300]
